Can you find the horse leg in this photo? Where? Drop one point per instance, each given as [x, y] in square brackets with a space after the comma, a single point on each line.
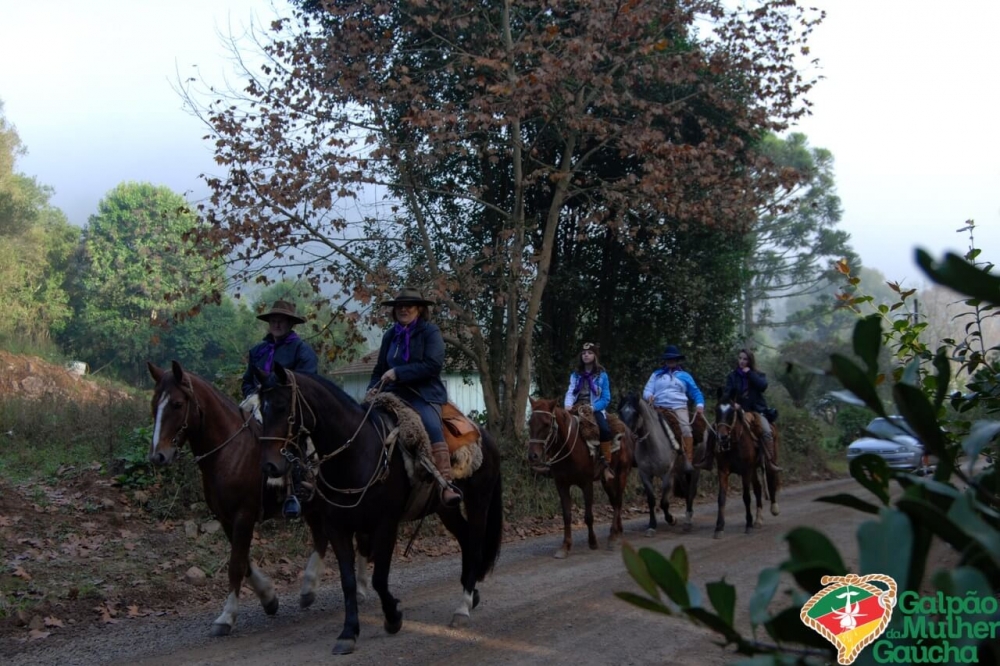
[343, 548]
[314, 567]
[647, 486]
[264, 589]
[383, 544]
[567, 512]
[666, 484]
[361, 567]
[240, 535]
[747, 478]
[470, 538]
[692, 490]
[772, 488]
[720, 521]
[616, 493]
[759, 514]
[588, 514]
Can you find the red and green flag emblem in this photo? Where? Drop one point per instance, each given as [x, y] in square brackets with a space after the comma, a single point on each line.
[851, 612]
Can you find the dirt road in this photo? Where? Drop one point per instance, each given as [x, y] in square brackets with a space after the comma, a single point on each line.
[534, 610]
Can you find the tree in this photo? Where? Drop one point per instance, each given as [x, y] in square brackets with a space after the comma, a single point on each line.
[36, 243]
[794, 241]
[482, 129]
[135, 257]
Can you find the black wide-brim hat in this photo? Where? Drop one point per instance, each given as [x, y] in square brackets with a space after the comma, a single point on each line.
[672, 353]
[408, 296]
[282, 308]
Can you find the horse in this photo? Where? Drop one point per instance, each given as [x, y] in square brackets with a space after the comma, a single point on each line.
[362, 482]
[557, 448]
[186, 408]
[657, 454]
[736, 452]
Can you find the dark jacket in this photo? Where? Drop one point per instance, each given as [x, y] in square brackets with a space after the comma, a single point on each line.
[748, 389]
[296, 355]
[422, 372]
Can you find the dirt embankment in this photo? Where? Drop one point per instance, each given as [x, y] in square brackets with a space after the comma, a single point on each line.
[33, 378]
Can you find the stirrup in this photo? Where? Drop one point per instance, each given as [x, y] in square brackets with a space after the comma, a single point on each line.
[292, 508]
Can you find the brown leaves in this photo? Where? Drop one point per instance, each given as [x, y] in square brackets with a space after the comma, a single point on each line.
[19, 572]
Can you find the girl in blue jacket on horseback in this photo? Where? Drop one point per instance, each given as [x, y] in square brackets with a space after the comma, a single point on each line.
[589, 385]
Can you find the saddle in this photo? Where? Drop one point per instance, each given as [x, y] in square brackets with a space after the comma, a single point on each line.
[465, 447]
[592, 435]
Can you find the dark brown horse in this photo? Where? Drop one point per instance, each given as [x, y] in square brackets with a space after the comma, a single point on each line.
[364, 487]
[736, 452]
[186, 408]
[557, 447]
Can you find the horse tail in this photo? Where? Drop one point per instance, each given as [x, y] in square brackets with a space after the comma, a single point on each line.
[494, 529]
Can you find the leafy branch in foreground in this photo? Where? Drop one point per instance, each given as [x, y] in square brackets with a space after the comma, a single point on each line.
[956, 507]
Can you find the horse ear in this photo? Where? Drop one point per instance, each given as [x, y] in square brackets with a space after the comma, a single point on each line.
[260, 375]
[154, 371]
[178, 371]
[280, 371]
[534, 403]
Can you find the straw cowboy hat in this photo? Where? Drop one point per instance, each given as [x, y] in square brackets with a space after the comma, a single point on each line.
[408, 296]
[282, 308]
[672, 353]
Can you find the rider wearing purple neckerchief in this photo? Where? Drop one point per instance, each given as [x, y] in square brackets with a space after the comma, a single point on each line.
[589, 385]
[280, 345]
[409, 365]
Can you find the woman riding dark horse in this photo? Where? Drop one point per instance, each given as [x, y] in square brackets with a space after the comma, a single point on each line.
[736, 452]
[364, 487]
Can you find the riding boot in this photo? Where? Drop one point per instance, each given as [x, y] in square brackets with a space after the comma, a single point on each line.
[767, 445]
[688, 442]
[450, 495]
[604, 460]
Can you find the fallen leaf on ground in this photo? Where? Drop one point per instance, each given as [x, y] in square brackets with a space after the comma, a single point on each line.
[53, 622]
[37, 634]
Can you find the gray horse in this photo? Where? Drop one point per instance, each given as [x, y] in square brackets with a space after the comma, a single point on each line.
[657, 453]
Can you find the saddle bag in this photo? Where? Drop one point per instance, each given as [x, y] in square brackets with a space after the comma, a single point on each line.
[459, 431]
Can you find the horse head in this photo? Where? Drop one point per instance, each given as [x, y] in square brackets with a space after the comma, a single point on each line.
[729, 416]
[543, 432]
[175, 410]
[282, 421]
[628, 410]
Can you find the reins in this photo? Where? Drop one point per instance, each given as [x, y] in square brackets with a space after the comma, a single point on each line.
[188, 388]
[554, 434]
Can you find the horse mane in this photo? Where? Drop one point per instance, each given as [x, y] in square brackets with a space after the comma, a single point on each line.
[338, 393]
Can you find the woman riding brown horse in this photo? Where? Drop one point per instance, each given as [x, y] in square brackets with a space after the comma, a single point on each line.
[557, 447]
[736, 452]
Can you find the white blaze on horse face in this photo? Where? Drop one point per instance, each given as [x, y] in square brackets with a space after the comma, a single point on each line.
[159, 420]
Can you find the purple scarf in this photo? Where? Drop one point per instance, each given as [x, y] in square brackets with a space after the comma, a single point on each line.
[591, 378]
[273, 345]
[403, 332]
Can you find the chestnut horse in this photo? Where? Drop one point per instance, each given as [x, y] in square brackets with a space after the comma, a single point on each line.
[363, 487]
[556, 447]
[186, 408]
[736, 452]
[658, 454]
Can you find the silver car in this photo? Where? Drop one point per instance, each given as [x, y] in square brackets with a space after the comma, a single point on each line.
[895, 442]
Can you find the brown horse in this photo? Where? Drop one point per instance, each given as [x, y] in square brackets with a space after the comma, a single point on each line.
[556, 447]
[226, 447]
[736, 452]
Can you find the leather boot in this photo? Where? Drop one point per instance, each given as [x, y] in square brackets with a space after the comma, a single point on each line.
[767, 445]
[450, 495]
[688, 445]
[604, 460]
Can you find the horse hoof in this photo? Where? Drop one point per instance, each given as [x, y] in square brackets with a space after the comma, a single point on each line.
[560, 554]
[458, 620]
[651, 531]
[271, 607]
[670, 519]
[774, 509]
[344, 646]
[593, 545]
[221, 629]
[748, 530]
[717, 535]
[306, 600]
[475, 598]
[393, 626]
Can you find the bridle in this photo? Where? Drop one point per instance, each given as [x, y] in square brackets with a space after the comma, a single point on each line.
[562, 453]
[293, 453]
[187, 388]
[726, 437]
